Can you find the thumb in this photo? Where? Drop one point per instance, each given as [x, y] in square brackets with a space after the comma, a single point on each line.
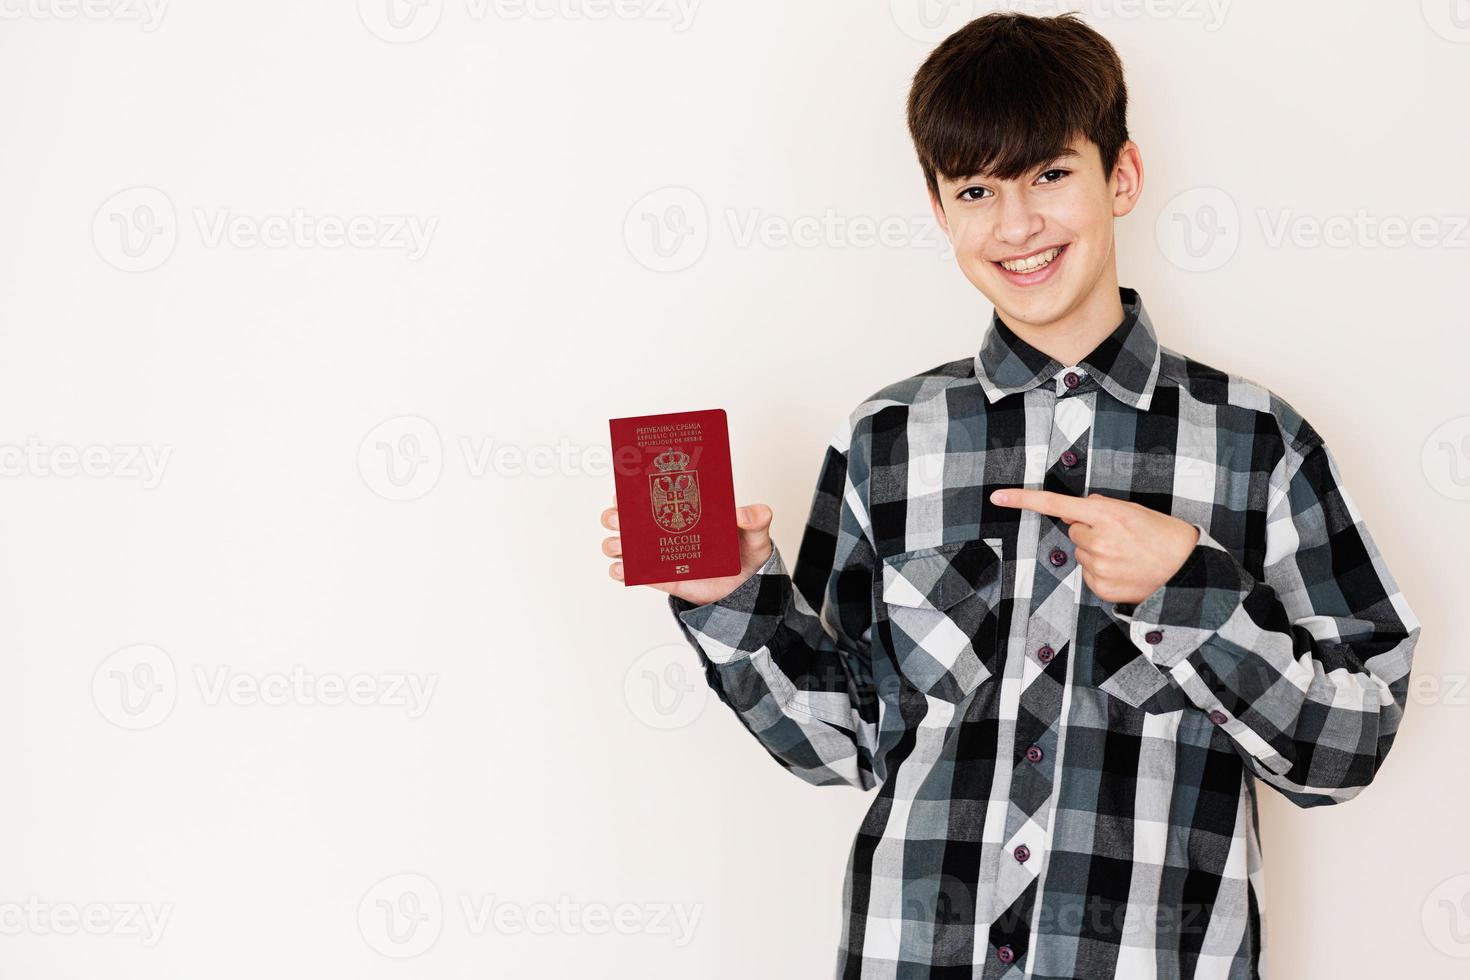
[753, 517]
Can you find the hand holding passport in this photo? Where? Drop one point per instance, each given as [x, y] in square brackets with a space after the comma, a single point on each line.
[678, 526]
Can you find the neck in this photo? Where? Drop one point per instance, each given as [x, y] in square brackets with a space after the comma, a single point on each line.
[1076, 333]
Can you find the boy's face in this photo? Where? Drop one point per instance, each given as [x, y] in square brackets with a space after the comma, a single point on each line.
[1065, 204]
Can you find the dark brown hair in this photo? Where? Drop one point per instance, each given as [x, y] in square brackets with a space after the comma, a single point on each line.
[1008, 91]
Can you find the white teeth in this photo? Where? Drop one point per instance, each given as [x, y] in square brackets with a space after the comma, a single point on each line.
[1034, 262]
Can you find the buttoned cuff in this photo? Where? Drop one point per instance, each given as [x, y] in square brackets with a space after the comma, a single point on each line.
[1181, 615]
[745, 619]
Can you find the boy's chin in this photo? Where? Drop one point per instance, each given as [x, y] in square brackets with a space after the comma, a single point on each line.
[1030, 304]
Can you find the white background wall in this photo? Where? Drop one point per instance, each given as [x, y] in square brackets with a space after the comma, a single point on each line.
[170, 630]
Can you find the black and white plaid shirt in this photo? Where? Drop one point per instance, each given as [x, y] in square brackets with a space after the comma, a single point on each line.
[1067, 786]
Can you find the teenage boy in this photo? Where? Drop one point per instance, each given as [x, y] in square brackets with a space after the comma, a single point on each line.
[1064, 601]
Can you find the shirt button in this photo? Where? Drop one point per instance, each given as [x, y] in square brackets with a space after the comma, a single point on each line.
[1058, 557]
[1022, 852]
[1219, 717]
[1005, 954]
[1072, 379]
[1033, 754]
[1045, 654]
[1154, 636]
[1069, 458]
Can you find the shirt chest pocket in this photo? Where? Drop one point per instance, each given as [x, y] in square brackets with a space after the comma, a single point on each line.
[938, 610]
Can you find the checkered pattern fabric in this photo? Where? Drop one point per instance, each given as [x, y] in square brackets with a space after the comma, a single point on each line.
[1066, 786]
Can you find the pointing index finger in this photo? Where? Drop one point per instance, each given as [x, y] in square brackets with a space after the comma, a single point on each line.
[1062, 505]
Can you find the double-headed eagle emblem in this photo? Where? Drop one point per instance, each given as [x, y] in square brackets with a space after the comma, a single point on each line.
[675, 492]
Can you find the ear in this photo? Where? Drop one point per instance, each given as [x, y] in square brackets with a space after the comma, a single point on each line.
[1127, 179]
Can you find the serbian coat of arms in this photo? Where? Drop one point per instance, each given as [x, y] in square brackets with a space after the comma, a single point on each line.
[674, 491]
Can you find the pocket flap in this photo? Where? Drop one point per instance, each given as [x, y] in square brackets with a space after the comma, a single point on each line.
[1123, 671]
[940, 576]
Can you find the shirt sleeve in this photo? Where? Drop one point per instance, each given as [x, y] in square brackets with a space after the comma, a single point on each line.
[1307, 668]
[790, 654]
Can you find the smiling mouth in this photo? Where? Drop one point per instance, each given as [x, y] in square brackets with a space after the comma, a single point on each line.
[1032, 263]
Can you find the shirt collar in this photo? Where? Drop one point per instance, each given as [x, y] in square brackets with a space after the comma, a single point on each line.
[1125, 363]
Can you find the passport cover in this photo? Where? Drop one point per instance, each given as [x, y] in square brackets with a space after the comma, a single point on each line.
[676, 496]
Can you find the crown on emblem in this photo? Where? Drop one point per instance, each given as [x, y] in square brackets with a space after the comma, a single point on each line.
[671, 459]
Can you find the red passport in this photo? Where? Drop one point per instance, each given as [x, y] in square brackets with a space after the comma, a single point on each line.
[676, 496]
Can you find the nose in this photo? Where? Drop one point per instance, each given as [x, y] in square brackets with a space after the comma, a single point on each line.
[1016, 221]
